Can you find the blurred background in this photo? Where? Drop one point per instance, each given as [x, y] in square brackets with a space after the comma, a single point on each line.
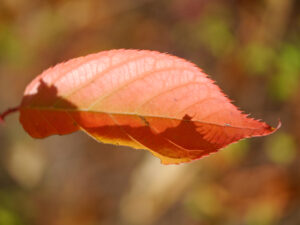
[250, 47]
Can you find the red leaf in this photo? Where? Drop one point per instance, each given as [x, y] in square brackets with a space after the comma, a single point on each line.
[143, 99]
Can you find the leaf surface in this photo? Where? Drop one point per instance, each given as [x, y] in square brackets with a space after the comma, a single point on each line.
[138, 98]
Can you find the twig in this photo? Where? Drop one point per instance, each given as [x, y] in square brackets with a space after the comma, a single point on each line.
[9, 111]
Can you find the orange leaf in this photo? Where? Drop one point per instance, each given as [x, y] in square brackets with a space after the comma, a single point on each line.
[143, 99]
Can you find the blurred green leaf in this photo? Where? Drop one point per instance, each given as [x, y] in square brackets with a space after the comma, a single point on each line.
[281, 148]
[215, 34]
[8, 217]
[236, 152]
[263, 213]
[286, 81]
[211, 31]
[10, 46]
[203, 202]
[258, 58]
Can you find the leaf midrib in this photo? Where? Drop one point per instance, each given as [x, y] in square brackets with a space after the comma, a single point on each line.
[131, 114]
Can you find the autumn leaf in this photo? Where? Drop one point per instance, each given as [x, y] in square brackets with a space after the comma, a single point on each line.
[138, 98]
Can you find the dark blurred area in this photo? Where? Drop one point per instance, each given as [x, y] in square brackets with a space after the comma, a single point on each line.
[250, 47]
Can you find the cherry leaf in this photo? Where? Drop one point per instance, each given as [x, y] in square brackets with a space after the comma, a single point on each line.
[137, 98]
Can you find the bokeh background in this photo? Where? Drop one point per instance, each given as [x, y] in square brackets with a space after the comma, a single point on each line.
[250, 47]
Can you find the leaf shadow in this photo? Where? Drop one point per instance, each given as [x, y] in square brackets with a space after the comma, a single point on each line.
[45, 113]
[38, 114]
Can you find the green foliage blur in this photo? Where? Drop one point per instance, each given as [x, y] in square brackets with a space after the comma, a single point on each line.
[252, 50]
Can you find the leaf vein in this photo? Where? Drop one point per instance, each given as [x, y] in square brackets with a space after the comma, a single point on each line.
[142, 76]
[134, 114]
[165, 92]
[97, 76]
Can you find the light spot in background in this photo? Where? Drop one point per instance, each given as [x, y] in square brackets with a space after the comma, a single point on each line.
[26, 163]
[154, 188]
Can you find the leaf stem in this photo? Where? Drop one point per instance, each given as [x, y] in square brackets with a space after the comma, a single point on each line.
[7, 112]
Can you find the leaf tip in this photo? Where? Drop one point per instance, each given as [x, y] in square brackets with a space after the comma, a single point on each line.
[270, 130]
[274, 129]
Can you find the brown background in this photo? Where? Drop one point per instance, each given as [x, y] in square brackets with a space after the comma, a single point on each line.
[250, 47]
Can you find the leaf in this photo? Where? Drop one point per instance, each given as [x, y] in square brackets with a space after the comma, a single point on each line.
[138, 98]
